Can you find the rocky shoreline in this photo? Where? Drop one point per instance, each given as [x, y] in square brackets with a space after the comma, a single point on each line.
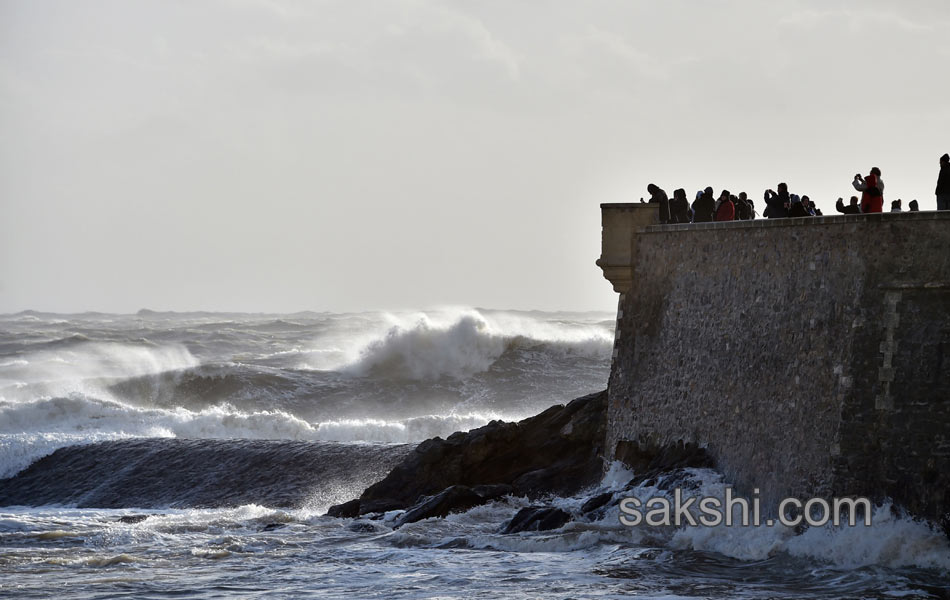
[558, 452]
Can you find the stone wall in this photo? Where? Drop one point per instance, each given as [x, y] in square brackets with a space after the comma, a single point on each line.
[810, 356]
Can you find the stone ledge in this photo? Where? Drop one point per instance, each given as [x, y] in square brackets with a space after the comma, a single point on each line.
[624, 205]
[930, 215]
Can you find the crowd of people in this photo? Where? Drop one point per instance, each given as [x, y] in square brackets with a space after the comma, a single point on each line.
[706, 208]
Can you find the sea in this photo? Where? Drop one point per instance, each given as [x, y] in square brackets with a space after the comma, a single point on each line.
[194, 455]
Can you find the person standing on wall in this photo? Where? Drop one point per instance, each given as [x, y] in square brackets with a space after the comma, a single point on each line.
[727, 208]
[872, 191]
[744, 210]
[659, 196]
[943, 183]
[777, 203]
[679, 207]
[704, 208]
[852, 209]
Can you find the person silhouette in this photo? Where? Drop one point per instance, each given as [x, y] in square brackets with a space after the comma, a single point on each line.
[872, 191]
[943, 184]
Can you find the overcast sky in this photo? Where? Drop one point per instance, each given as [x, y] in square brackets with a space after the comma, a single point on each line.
[270, 155]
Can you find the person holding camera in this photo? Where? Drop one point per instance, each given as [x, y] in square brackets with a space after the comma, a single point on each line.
[777, 203]
[872, 191]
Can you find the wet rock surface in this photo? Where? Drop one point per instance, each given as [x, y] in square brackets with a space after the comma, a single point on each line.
[537, 518]
[556, 452]
[456, 498]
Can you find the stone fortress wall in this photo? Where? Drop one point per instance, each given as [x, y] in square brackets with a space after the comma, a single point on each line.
[811, 357]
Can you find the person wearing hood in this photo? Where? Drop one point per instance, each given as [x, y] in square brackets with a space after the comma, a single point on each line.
[912, 206]
[777, 203]
[797, 207]
[943, 184]
[658, 196]
[744, 211]
[704, 208]
[810, 207]
[727, 207]
[872, 191]
[679, 207]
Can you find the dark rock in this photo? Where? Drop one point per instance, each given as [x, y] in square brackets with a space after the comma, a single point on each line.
[456, 498]
[596, 502]
[493, 491]
[379, 506]
[664, 465]
[555, 452]
[347, 510]
[133, 518]
[273, 526]
[537, 518]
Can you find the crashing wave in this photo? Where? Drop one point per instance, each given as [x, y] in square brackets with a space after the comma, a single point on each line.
[33, 429]
[464, 344]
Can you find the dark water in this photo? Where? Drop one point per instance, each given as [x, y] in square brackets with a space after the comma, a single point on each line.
[173, 473]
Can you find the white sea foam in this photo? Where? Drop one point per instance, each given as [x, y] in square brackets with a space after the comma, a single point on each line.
[32, 429]
[458, 344]
[890, 541]
[426, 351]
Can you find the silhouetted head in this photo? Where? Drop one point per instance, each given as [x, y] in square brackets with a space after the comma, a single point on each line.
[875, 171]
[743, 196]
[945, 158]
[912, 205]
[679, 193]
[854, 200]
[783, 187]
[794, 198]
[724, 195]
[806, 200]
[651, 188]
[708, 191]
[896, 203]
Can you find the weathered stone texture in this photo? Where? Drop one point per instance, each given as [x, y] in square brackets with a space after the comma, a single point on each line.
[810, 356]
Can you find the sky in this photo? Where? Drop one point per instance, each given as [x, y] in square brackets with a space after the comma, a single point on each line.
[283, 155]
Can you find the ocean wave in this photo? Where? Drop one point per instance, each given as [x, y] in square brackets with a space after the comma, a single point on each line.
[890, 541]
[159, 473]
[894, 541]
[427, 347]
[84, 365]
[33, 429]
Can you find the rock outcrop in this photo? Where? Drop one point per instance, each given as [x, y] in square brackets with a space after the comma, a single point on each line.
[537, 518]
[556, 452]
[456, 498]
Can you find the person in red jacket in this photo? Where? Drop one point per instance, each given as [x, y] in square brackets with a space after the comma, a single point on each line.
[727, 208]
[872, 191]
